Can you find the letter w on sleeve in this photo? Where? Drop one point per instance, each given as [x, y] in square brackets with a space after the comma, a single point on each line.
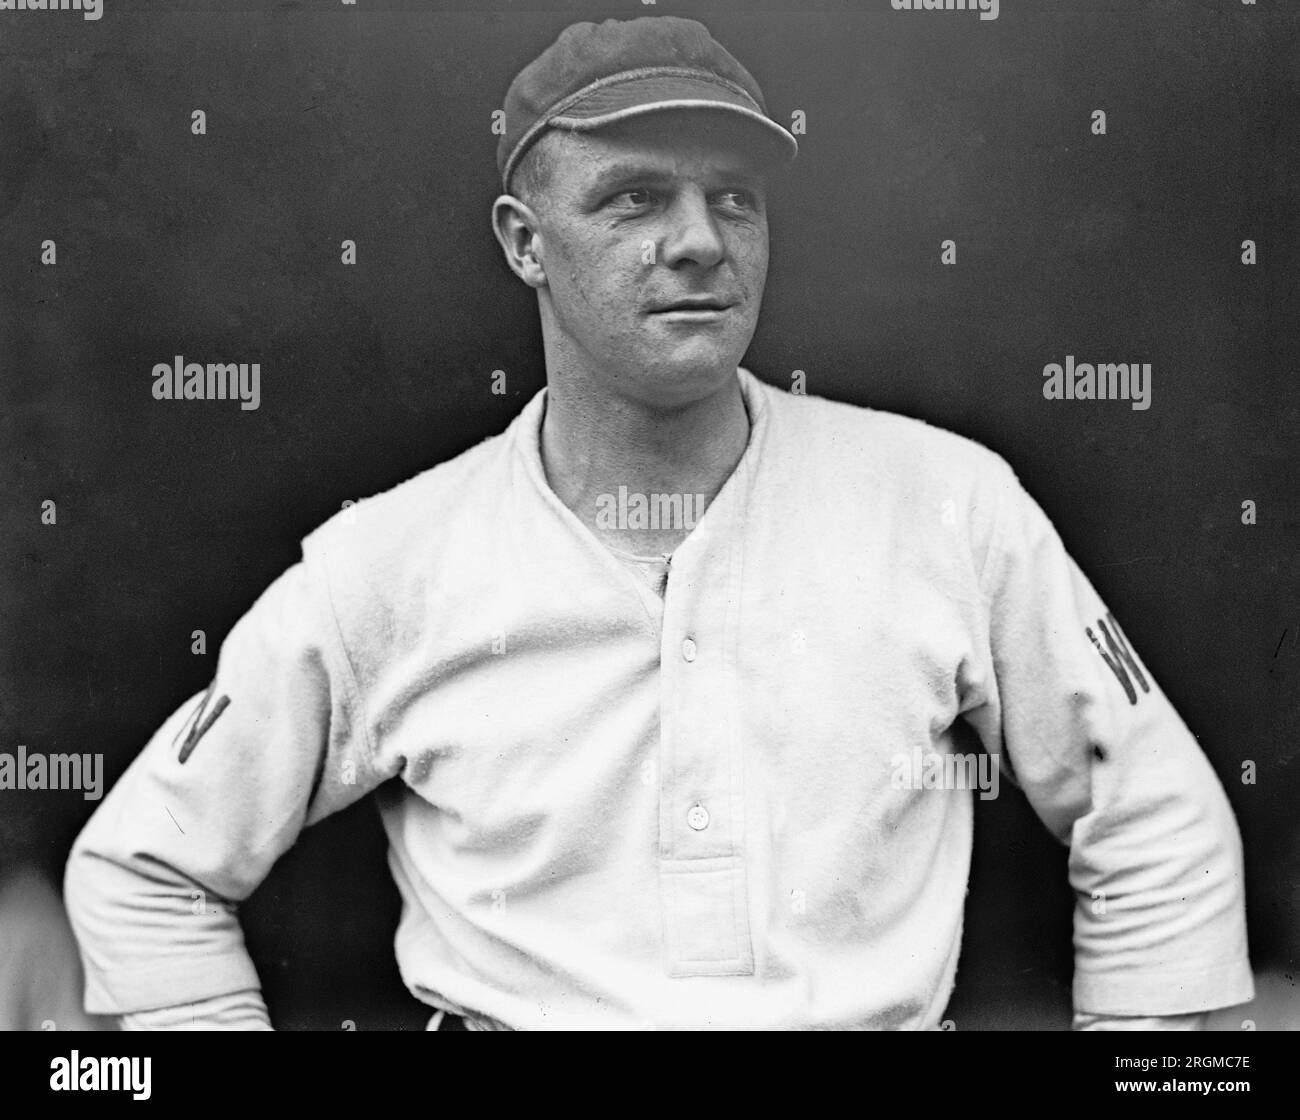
[1112, 770]
[219, 793]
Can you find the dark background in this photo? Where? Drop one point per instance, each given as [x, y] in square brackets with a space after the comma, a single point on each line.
[372, 123]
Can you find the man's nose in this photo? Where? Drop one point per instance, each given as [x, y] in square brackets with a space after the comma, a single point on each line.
[691, 233]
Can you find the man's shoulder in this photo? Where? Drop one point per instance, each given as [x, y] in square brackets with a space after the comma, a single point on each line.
[410, 519]
[852, 435]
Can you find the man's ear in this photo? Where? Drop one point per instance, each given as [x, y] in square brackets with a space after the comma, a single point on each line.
[519, 232]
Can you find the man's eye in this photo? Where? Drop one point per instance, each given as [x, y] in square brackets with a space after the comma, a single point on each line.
[636, 197]
[737, 199]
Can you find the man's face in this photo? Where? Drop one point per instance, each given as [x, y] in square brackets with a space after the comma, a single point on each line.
[653, 236]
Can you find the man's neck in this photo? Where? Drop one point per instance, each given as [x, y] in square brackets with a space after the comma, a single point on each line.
[592, 444]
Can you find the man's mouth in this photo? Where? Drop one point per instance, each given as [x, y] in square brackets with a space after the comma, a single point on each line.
[697, 306]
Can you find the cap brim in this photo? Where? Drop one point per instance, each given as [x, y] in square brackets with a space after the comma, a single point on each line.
[635, 94]
[655, 93]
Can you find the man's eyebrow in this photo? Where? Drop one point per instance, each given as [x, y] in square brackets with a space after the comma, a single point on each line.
[619, 174]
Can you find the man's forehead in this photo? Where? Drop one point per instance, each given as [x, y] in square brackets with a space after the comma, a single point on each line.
[612, 156]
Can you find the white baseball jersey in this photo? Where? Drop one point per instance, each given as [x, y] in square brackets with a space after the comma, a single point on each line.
[738, 805]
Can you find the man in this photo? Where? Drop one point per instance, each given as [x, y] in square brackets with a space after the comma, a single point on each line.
[655, 770]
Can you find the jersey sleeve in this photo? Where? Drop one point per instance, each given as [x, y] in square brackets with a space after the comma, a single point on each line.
[236, 1011]
[1113, 771]
[278, 741]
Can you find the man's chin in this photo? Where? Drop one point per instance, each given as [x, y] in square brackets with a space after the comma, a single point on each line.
[679, 384]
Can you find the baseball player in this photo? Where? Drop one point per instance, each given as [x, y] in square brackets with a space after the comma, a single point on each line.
[638, 772]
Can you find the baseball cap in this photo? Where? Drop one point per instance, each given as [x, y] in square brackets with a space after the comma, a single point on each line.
[595, 74]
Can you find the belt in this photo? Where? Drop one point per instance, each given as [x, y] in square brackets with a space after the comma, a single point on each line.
[450, 1022]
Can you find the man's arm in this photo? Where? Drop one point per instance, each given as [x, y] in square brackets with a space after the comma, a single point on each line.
[1111, 769]
[197, 821]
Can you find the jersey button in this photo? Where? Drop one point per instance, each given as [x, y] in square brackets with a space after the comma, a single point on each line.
[698, 817]
[688, 649]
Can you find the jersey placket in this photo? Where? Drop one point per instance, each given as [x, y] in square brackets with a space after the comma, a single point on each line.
[702, 870]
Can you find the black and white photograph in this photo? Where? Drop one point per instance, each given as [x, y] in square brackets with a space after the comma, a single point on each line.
[650, 516]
